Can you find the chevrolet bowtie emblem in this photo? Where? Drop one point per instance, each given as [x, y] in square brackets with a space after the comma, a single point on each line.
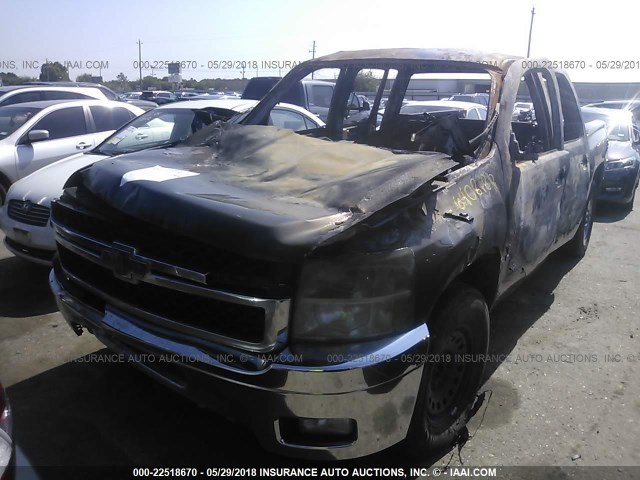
[125, 263]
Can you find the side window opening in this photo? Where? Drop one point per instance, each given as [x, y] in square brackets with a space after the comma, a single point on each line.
[362, 111]
[535, 123]
[320, 95]
[63, 123]
[62, 95]
[416, 117]
[287, 119]
[570, 111]
[109, 118]
[22, 98]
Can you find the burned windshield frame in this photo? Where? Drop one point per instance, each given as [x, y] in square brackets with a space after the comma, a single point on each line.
[344, 82]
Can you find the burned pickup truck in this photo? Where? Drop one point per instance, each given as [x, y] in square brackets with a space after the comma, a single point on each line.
[332, 287]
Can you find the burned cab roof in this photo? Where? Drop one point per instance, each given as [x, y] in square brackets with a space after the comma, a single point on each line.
[471, 59]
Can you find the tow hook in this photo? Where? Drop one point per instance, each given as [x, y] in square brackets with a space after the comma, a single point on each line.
[77, 328]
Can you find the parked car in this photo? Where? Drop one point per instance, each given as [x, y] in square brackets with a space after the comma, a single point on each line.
[130, 96]
[6, 442]
[632, 106]
[213, 96]
[340, 278]
[622, 163]
[160, 97]
[25, 215]
[312, 95]
[523, 112]
[35, 134]
[468, 110]
[186, 95]
[34, 93]
[481, 98]
[142, 104]
[106, 91]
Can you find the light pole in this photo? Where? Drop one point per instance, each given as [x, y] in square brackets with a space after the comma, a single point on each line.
[140, 61]
[533, 12]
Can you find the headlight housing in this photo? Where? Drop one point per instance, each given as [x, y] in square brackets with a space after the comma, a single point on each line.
[355, 297]
[622, 163]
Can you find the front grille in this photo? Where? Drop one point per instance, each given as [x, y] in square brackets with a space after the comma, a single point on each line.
[172, 284]
[230, 320]
[28, 212]
[225, 270]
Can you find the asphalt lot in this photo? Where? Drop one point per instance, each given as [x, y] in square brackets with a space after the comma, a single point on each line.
[562, 390]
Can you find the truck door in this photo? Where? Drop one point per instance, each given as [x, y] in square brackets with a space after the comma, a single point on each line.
[540, 168]
[574, 198]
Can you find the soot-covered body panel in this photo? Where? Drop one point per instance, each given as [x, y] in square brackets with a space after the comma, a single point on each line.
[261, 190]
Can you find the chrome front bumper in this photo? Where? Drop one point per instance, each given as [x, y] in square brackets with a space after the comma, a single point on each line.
[375, 385]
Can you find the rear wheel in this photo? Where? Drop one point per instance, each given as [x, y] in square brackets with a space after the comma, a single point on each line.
[453, 375]
[578, 245]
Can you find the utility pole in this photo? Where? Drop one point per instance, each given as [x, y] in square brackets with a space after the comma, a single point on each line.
[533, 12]
[47, 64]
[140, 61]
[313, 54]
[243, 72]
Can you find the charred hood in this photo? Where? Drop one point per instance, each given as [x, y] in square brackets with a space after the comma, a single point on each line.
[260, 191]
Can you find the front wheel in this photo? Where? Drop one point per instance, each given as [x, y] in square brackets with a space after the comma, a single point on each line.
[453, 375]
[3, 194]
[628, 207]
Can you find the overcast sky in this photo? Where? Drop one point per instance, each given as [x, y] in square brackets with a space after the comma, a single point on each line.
[204, 31]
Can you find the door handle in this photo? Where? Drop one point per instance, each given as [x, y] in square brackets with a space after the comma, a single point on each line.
[141, 136]
[82, 146]
[585, 160]
[561, 176]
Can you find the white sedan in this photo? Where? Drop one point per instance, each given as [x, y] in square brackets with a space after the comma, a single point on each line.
[35, 134]
[25, 215]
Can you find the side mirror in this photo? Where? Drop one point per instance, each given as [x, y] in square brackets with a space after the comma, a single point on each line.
[38, 135]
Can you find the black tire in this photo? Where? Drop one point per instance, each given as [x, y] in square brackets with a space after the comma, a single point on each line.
[628, 207]
[577, 246]
[460, 326]
[3, 194]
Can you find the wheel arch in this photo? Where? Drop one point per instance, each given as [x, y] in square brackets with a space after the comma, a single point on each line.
[5, 183]
[483, 275]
